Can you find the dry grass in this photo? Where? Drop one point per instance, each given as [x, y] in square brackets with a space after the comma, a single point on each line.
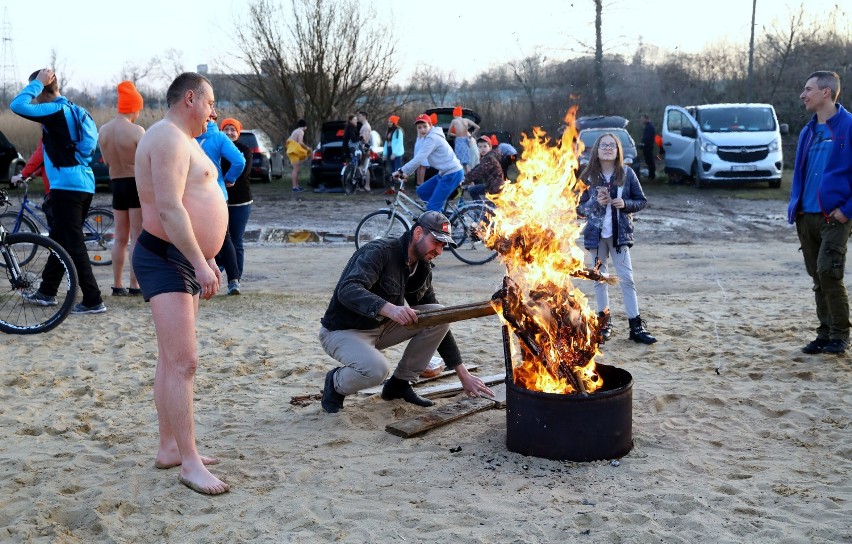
[25, 134]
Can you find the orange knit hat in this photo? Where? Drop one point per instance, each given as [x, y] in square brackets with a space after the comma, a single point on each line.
[434, 118]
[457, 111]
[231, 121]
[129, 99]
[394, 119]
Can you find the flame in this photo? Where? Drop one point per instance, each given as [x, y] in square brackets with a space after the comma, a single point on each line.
[535, 230]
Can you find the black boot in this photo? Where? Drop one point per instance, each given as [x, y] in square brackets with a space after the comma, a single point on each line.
[605, 325]
[638, 332]
[400, 389]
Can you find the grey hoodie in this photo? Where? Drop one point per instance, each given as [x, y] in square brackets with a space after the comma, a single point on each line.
[435, 150]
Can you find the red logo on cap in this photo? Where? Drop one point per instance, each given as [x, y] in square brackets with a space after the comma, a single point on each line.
[445, 227]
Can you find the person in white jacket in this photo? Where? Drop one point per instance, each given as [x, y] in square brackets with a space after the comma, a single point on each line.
[435, 150]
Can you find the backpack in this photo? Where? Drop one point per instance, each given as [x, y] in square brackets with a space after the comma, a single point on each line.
[87, 134]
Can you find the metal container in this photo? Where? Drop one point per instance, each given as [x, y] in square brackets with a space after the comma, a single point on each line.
[572, 427]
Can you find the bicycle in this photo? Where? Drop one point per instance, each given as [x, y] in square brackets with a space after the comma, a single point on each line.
[354, 175]
[465, 221]
[98, 226]
[23, 257]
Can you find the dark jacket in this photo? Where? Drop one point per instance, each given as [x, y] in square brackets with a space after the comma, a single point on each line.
[240, 192]
[634, 201]
[488, 172]
[378, 273]
[835, 189]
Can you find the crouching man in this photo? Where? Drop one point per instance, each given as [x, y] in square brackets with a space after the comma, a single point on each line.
[377, 295]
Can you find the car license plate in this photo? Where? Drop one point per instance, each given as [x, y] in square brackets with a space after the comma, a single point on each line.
[743, 167]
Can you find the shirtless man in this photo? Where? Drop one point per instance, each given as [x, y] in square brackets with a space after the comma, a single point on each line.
[462, 128]
[366, 133]
[184, 218]
[118, 139]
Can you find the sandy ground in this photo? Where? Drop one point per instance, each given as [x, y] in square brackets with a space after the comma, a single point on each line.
[738, 436]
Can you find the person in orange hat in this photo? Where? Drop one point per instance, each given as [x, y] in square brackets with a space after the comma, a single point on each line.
[462, 128]
[297, 151]
[239, 202]
[394, 148]
[118, 139]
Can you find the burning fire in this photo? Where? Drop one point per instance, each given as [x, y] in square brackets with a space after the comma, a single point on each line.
[535, 229]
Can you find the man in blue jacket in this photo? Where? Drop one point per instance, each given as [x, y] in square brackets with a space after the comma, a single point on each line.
[72, 184]
[821, 205]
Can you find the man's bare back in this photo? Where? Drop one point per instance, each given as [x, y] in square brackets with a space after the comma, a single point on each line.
[118, 140]
[171, 167]
[461, 127]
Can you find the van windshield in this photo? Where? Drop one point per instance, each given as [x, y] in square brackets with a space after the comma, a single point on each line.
[736, 119]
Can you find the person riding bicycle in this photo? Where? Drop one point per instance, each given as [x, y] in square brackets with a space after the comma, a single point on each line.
[351, 137]
[434, 149]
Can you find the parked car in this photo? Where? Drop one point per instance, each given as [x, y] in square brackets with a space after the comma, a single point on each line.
[593, 127]
[327, 158]
[730, 143]
[11, 162]
[100, 168]
[261, 147]
[445, 117]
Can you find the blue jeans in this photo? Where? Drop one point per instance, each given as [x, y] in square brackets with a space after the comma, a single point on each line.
[435, 190]
[238, 217]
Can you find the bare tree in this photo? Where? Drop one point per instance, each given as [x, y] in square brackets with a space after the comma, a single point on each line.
[316, 59]
[779, 45]
[530, 74]
[169, 65]
[135, 72]
[435, 83]
[63, 77]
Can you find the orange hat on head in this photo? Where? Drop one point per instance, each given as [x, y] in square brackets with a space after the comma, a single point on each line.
[393, 119]
[129, 99]
[434, 118]
[457, 111]
[423, 118]
[494, 140]
[231, 121]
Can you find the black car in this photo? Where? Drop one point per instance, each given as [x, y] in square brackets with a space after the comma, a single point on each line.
[100, 168]
[11, 162]
[327, 158]
[261, 147]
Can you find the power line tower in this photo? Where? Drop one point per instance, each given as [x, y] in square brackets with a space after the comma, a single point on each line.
[8, 66]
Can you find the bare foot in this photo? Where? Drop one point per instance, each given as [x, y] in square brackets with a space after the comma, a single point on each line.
[171, 458]
[202, 481]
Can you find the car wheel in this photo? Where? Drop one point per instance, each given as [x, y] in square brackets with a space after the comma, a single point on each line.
[774, 183]
[267, 177]
[699, 183]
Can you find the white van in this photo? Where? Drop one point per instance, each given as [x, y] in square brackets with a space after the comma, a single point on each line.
[724, 142]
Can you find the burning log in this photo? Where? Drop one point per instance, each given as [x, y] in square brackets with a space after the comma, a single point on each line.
[451, 314]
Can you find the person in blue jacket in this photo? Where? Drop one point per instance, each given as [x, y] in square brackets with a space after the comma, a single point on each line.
[394, 148]
[821, 206]
[72, 184]
[218, 146]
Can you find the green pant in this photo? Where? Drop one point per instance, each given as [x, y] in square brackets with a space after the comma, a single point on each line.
[823, 245]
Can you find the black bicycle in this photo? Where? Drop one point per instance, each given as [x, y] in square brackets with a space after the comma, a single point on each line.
[24, 256]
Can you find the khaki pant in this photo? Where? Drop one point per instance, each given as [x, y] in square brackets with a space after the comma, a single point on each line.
[364, 365]
[823, 245]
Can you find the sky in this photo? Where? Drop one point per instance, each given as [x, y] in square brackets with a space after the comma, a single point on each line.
[103, 35]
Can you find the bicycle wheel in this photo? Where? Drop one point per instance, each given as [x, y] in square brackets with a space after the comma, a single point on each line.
[9, 219]
[19, 315]
[99, 235]
[464, 224]
[350, 184]
[380, 224]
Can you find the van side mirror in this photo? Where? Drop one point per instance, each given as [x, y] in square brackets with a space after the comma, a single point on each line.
[689, 132]
[784, 128]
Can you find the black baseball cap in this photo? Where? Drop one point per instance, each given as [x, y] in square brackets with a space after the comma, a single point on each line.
[438, 224]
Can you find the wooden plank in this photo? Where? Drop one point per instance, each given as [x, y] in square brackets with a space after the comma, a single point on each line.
[439, 416]
[451, 314]
[378, 389]
[450, 389]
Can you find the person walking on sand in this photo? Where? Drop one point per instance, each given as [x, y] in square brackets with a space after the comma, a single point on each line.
[297, 151]
[821, 206]
[608, 203]
[69, 137]
[378, 293]
[184, 220]
[118, 139]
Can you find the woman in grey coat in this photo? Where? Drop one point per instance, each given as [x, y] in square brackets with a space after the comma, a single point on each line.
[612, 196]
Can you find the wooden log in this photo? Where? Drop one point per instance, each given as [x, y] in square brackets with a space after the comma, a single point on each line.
[451, 314]
[442, 415]
[449, 389]
[378, 389]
